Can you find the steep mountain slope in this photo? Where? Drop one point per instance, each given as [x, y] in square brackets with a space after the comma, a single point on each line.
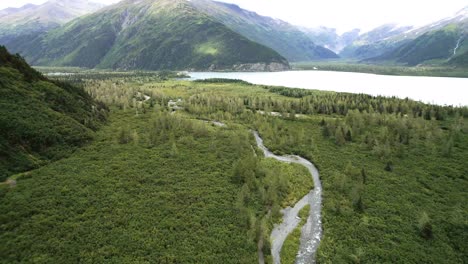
[375, 42]
[31, 19]
[437, 43]
[460, 60]
[433, 45]
[281, 36]
[152, 35]
[330, 39]
[40, 120]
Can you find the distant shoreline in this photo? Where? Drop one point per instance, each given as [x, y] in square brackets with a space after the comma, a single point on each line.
[392, 70]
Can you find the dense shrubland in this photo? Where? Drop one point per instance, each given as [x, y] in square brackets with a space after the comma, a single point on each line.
[41, 120]
[393, 173]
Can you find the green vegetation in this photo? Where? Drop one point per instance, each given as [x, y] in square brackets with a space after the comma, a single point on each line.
[161, 35]
[460, 60]
[291, 244]
[164, 184]
[41, 120]
[382, 69]
[286, 39]
[151, 186]
[432, 45]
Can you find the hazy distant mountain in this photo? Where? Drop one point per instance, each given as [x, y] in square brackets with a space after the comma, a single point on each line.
[38, 18]
[329, 38]
[375, 42]
[152, 35]
[281, 36]
[11, 10]
[445, 41]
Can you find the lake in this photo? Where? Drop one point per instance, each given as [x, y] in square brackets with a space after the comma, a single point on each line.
[435, 90]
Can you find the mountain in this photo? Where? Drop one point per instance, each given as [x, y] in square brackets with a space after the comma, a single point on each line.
[41, 120]
[31, 18]
[151, 35]
[281, 36]
[375, 42]
[440, 42]
[11, 10]
[330, 39]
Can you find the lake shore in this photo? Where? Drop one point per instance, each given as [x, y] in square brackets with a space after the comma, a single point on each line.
[433, 90]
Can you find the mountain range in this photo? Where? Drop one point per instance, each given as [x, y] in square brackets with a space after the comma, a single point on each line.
[442, 42]
[445, 41]
[39, 18]
[163, 34]
[210, 35]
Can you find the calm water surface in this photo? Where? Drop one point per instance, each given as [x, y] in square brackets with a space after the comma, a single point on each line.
[436, 90]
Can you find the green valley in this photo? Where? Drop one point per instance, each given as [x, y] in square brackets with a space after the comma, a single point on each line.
[170, 131]
[167, 184]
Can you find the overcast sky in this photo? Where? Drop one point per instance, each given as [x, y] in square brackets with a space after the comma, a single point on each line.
[341, 14]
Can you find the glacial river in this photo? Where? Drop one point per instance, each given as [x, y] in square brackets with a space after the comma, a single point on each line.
[311, 232]
[435, 90]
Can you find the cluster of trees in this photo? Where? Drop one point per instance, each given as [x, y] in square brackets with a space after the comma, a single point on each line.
[317, 102]
[388, 135]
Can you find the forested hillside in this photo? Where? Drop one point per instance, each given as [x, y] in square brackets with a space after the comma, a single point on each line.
[40, 120]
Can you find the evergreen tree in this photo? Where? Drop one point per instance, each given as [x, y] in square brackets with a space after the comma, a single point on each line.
[339, 136]
[425, 226]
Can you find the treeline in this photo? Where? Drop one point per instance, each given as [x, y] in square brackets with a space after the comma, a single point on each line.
[317, 102]
[83, 76]
[443, 70]
[387, 135]
[222, 80]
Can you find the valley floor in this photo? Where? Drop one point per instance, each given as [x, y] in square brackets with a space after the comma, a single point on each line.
[160, 184]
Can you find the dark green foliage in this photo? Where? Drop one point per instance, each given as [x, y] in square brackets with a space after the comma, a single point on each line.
[360, 219]
[221, 80]
[41, 120]
[460, 60]
[167, 198]
[192, 203]
[125, 136]
[389, 166]
[17, 62]
[425, 226]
